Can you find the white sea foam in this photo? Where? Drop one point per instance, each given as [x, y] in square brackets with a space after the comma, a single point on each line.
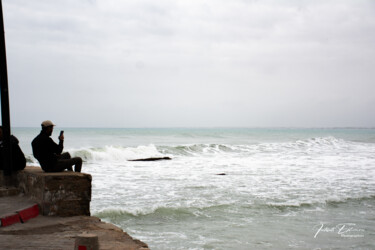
[304, 172]
[113, 154]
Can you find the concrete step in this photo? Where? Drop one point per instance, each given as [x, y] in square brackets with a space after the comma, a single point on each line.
[16, 209]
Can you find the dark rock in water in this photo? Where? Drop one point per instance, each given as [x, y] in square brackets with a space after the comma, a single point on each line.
[222, 174]
[153, 159]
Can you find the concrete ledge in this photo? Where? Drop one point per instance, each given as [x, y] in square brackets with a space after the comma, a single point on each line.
[57, 194]
[28, 213]
[51, 232]
[14, 214]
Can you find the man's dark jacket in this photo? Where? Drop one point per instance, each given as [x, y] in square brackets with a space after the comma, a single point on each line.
[18, 158]
[45, 150]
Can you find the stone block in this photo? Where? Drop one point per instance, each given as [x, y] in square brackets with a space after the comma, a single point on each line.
[58, 194]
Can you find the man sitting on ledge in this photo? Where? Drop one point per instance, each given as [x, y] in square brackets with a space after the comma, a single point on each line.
[48, 153]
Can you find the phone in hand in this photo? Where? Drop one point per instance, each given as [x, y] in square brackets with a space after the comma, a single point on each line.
[61, 137]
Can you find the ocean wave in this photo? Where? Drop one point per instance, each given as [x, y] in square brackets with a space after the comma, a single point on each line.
[116, 154]
[309, 145]
[110, 213]
[312, 145]
[320, 142]
[290, 205]
[30, 159]
[194, 149]
[158, 211]
[337, 202]
[116, 214]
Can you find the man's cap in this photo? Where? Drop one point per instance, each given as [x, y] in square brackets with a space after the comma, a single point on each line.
[47, 123]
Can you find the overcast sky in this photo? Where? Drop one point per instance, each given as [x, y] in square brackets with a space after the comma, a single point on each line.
[191, 63]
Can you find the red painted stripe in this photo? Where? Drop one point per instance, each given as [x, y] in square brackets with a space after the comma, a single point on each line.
[10, 219]
[28, 213]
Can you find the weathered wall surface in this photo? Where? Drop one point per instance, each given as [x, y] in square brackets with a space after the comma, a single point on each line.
[58, 194]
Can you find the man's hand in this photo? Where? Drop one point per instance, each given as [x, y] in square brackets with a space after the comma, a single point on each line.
[61, 137]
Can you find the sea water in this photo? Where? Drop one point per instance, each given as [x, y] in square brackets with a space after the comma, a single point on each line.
[230, 188]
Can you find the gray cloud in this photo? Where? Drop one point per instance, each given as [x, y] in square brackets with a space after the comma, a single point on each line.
[191, 63]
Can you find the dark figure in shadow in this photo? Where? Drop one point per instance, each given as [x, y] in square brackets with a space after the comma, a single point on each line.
[18, 158]
[48, 153]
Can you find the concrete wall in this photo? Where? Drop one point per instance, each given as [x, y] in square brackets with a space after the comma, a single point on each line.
[57, 194]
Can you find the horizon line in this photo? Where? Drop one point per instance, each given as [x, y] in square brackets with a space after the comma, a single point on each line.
[210, 127]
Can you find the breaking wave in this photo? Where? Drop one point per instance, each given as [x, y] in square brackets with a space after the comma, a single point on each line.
[117, 154]
[159, 211]
[117, 214]
[313, 145]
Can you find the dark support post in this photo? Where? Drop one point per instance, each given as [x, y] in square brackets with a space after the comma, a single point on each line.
[5, 116]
